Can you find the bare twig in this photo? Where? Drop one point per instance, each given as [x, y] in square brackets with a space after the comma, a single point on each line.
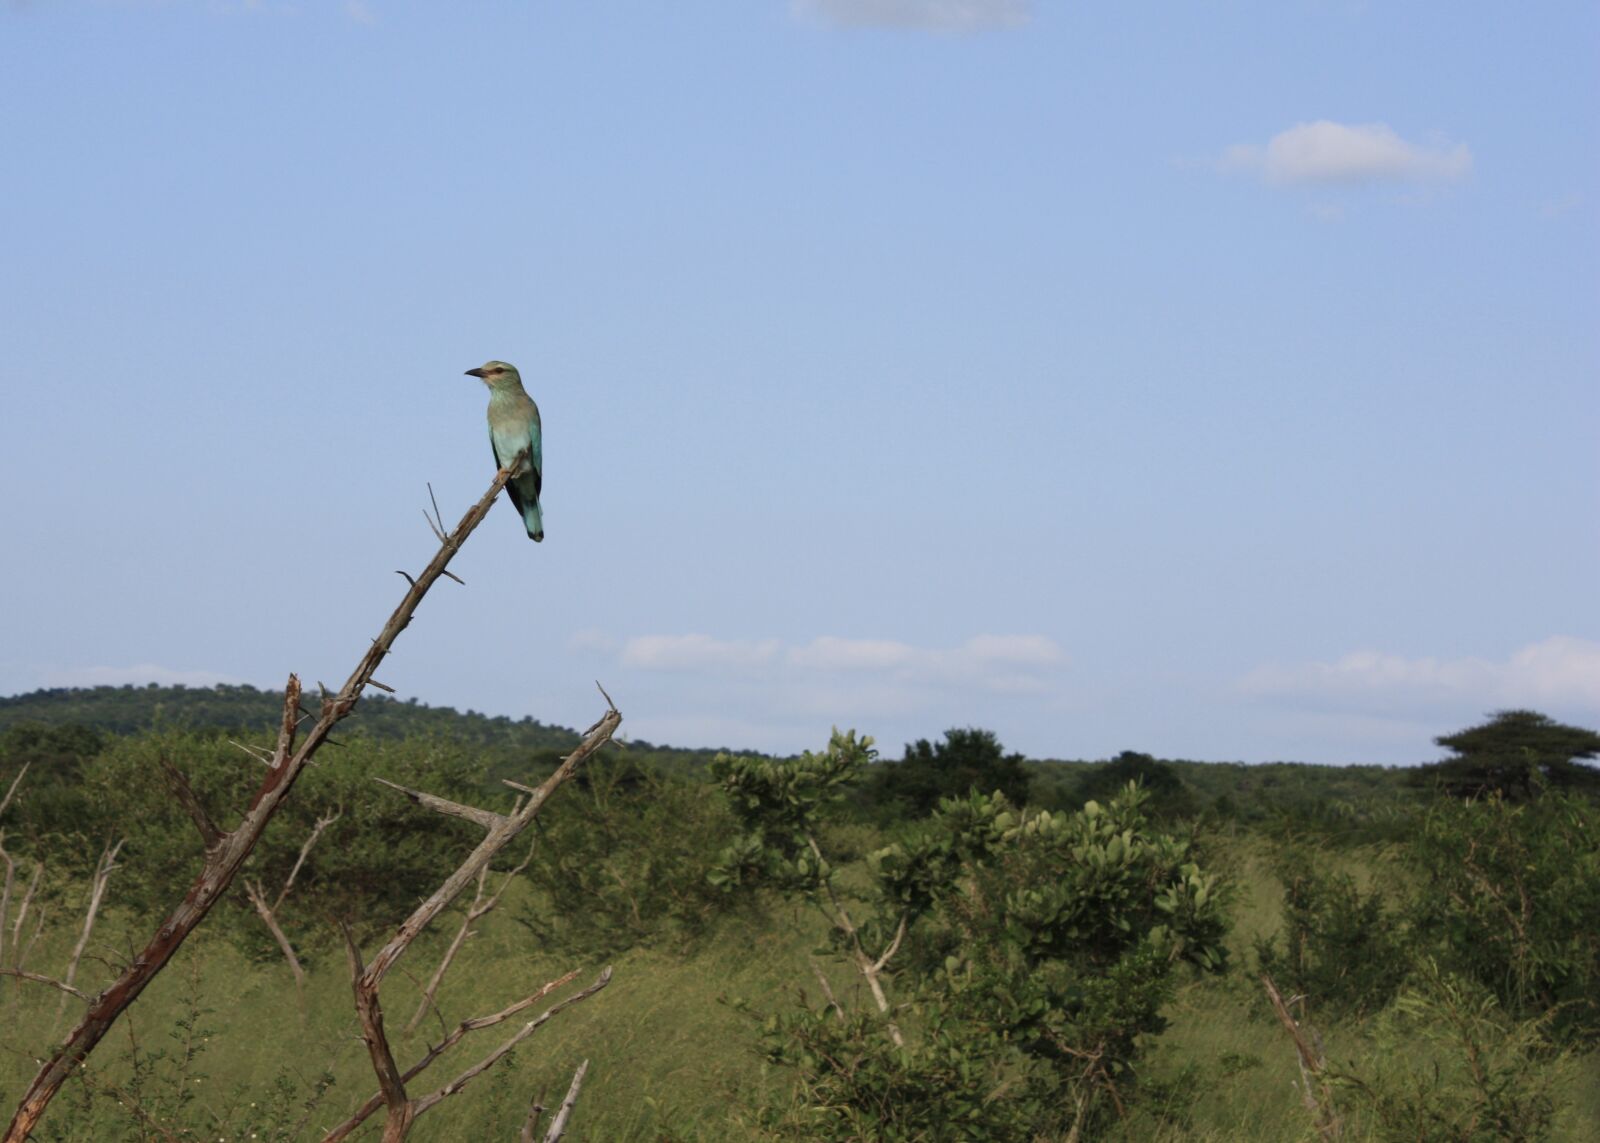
[97, 891]
[1313, 1065]
[558, 1125]
[269, 917]
[222, 864]
[531, 1123]
[12, 789]
[6, 884]
[179, 785]
[51, 981]
[376, 1101]
[488, 819]
[869, 969]
[479, 909]
[17, 955]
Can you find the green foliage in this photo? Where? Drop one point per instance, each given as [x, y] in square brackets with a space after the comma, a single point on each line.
[968, 759]
[779, 806]
[1457, 1070]
[1168, 797]
[1345, 951]
[1039, 951]
[623, 859]
[1516, 754]
[247, 709]
[1509, 897]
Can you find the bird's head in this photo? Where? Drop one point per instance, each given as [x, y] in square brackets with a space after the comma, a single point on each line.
[494, 373]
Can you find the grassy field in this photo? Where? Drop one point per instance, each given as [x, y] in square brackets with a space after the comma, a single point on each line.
[669, 1057]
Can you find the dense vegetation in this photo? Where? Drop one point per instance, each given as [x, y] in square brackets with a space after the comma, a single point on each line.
[957, 944]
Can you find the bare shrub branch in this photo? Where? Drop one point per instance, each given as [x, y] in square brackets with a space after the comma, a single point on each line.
[500, 831]
[479, 909]
[97, 891]
[1315, 1091]
[558, 1126]
[51, 981]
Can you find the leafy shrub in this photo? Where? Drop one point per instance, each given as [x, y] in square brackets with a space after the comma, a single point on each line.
[1510, 897]
[1031, 955]
[1457, 1069]
[1347, 951]
[623, 860]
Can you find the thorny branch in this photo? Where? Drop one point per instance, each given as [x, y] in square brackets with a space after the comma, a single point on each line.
[222, 863]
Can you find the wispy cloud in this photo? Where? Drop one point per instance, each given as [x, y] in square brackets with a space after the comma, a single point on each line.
[918, 15]
[696, 653]
[1561, 671]
[1325, 152]
[137, 673]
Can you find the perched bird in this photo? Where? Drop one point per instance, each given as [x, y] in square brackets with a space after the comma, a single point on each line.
[513, 428]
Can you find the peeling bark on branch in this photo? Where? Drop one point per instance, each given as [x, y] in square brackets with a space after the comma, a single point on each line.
[223, 862]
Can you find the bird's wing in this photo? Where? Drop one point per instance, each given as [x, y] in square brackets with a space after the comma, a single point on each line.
[511, 485]
[536, 455]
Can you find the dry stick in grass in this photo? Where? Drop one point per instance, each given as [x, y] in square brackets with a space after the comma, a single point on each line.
[269, 912]
[225, 852]
[1312, 1067]
[475, 912]
[499, 831]
[18, 954]
[97, 891]
[558, 1126]
[11, 865]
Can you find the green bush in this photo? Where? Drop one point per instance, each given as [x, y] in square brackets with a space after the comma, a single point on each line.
[623, 860]
[1346, 951]
[1510, 896]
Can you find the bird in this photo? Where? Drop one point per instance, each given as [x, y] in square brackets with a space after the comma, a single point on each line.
[514, 428]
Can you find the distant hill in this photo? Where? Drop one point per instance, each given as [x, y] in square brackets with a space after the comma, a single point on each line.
[129, 709]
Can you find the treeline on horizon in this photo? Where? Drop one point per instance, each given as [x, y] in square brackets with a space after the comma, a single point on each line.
[77, 721]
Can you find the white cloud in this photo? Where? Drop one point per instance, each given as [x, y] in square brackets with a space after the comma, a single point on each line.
[928, 15]
[138, 673]
[885, 671]
[696, 652]
[1326, 152]
[1561, 671]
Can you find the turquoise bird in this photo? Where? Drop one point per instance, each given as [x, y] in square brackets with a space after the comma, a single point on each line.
[513, 428]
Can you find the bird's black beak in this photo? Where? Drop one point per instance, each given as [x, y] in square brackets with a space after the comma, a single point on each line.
[478, 373]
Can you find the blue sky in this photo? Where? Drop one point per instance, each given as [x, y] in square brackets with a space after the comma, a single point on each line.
[1213, 380]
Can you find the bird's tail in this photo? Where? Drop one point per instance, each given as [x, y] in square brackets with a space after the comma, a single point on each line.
[534, 520]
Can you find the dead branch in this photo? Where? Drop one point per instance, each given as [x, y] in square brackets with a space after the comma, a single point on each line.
[17, 955]
[868, 968]
[362, 1113]
[51, 981]
[1313, 1065]
[499, 831]
[268, 912]
[475, 912]
[6, 884]
[223, 862]
[531, 1123]
[97, 891]
[558, 1125]
[210, 835]
[12, 789]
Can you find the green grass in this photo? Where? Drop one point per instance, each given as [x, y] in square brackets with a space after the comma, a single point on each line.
[669, 1060]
